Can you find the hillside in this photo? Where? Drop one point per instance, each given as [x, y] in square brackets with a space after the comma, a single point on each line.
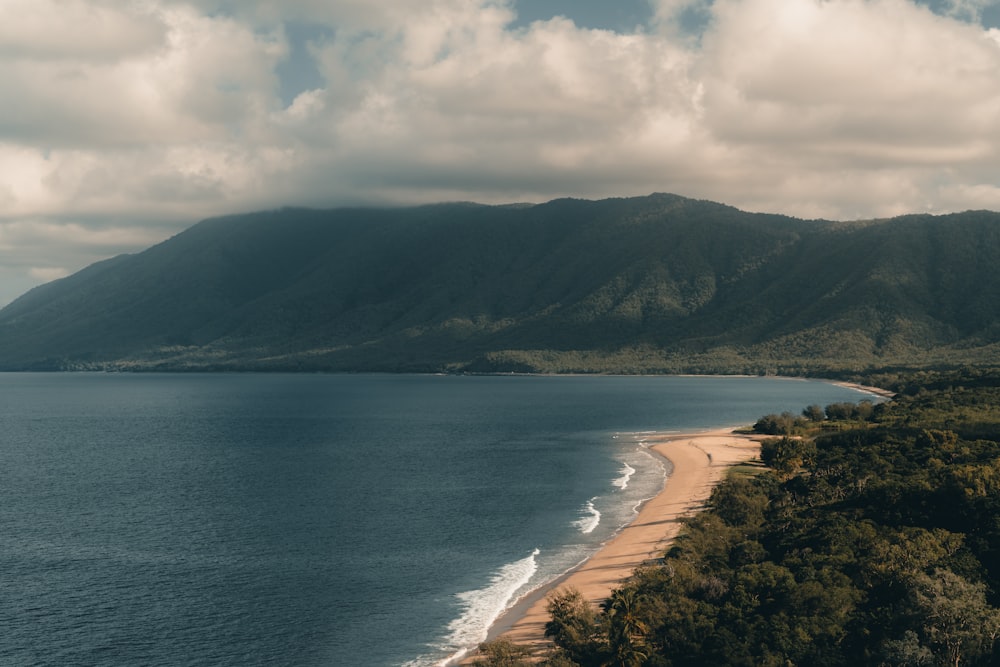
[650, 284]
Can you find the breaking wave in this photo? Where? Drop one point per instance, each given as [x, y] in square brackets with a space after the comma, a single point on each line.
[591, 518]
[626, 474]
[480, 608]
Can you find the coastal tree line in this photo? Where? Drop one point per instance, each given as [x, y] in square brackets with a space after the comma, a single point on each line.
[872, 538]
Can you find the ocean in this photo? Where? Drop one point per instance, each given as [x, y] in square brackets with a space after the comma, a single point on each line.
[319, 520]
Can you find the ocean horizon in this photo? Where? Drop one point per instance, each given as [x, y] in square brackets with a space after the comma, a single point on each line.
[257, 519]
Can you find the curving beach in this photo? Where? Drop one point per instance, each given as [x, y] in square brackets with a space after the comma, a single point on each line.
[699, 461]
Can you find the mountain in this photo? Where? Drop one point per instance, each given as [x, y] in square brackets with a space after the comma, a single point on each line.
[649, 284]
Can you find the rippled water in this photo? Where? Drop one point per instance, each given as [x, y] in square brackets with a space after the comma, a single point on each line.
[317, 519]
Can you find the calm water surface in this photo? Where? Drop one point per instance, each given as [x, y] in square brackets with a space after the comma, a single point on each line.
[318, 519]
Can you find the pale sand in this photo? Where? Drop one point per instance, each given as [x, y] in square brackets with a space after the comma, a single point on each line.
[700, 461]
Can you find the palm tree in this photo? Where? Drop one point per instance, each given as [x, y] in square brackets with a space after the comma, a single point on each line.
[626, 629]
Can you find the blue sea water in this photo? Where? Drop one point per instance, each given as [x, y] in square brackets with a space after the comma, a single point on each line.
[326, 520]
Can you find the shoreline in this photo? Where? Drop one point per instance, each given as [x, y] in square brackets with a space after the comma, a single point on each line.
[699, 462]
[884, 394]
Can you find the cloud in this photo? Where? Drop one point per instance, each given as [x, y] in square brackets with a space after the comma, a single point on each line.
[777, 104]
[848, 74]
[156, 111]
[47, 273]
[472, 109]
[84, 31]
[36, 237]
[197, 79]
[969, 10]
[849, 91]
[36, 250]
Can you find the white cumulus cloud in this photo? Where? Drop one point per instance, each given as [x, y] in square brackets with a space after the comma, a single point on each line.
[150, 114]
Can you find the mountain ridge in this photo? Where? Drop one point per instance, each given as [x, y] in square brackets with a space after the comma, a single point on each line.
[660, 283]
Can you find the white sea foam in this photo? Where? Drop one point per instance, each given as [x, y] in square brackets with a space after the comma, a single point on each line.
[626, 474]
[591, 517]
[480, 608]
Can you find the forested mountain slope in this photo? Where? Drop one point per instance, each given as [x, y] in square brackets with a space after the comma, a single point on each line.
[651, 284]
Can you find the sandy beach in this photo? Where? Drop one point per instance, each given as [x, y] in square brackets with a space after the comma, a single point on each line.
[700, 461]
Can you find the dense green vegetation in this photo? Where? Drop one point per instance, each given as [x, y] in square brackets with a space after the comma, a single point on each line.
[644, 285]
[872, 539]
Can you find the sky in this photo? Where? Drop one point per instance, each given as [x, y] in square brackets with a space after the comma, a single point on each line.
[122, 122]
